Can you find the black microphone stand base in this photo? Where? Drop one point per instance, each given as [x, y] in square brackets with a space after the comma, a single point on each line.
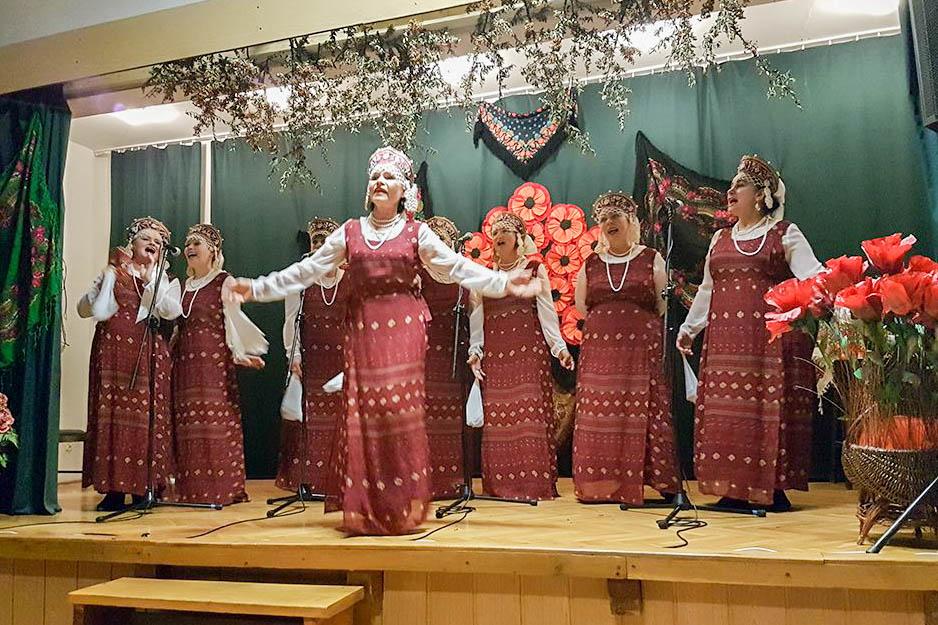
[149, 501]
[466, 494]
[889, 533]
[682, 503]
[303, 494]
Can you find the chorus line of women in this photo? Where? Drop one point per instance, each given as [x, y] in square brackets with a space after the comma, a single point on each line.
[377, 300]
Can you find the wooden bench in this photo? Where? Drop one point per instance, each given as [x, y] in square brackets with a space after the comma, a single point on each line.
[113, 602]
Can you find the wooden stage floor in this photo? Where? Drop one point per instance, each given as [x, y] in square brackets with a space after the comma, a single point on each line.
[812, 546]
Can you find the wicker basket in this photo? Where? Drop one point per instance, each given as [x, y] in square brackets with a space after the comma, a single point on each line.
[889, 480]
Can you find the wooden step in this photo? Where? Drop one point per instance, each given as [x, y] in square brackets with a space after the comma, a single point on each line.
[248, 598]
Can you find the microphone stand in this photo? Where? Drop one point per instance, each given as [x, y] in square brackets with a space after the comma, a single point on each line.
[304, 491]
[466, 493]
[681, 501]
[149, 501]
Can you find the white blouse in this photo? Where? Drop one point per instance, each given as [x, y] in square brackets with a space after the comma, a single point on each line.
[434, 254]
[658, 272]
[798, 253]
[241, 335]
[292, 306]
[546, 314]
[99, 302]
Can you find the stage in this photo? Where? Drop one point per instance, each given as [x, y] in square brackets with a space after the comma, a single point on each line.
[502, 564]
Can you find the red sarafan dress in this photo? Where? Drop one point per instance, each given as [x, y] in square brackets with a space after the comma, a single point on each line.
[381, 478]
[623, 437]
[206, 404]
[754, 399]
[446, 393]
[116, 445]
[519, 456]
[322, 335]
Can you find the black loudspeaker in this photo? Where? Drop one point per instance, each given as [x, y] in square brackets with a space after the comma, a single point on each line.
[923, 16]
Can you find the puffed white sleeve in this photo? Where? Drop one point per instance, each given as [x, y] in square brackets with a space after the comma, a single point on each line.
[168, 303]
[660, 276]
[292, 309]
[801, 259]
[697, 316]
[547, 315]
[89, 302]
[476, 325]
[441, 260]
[241, 335]
[303, 274]
[579, 293]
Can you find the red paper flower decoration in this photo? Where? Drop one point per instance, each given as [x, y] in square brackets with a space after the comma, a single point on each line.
[479, 249]
[930, 299]
[903, 293]
[489, 218]
[862, 300]
[571, 326]
[561, 291]
[923, 264]
[588, 242]
[539, 234]
[563, 259]
[566, 223]
[530, 201]
[840, 273]
[888, 253]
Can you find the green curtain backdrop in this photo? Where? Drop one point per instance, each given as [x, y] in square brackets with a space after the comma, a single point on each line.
[160, 182]
[853, 158]
[29, 485]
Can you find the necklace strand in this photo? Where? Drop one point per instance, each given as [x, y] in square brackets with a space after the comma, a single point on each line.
[624, 273]
[384, 227]
[736, 231]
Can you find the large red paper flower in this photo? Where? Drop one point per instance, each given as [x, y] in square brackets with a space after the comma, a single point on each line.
[566, 223]
[561, 291]
[930, 299]
[923, 264]
[563, 259]
[791, 300]
[840, 273]
[862, 300]
[588, 242]
[479, 249]
[571, 326]
[539, 234]
[903, 293]
[489, 218]
[530, 201]
[887, 253]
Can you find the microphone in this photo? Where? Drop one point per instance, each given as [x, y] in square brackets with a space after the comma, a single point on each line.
[172, 250]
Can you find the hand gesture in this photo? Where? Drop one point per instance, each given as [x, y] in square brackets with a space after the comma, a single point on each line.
[238, 292]
[566, 360]
[475, 364]
[685, 344]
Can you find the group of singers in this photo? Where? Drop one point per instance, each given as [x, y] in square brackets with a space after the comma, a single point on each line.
[378, 300]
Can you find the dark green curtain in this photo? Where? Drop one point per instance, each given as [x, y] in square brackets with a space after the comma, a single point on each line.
[158, 182]
[29, 486]
[854, 161]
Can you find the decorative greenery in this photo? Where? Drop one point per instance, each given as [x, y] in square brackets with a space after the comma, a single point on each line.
[359, 75]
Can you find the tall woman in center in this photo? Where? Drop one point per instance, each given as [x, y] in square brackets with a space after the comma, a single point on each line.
[381, 477]
[509, 353]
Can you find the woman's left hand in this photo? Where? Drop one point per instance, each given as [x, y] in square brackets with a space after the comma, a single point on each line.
[523, 285]
[566, 360]
[251, 362]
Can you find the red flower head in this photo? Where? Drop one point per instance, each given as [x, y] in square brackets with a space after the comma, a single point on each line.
[571, 326]
[563, 259]
[539, 234]
[792, 300]
[841, 273]
[489, 218]
[663, 187]
[887, 253]
[566, 223]
[930, 299]
[561, 291]
[862, 300]
[903, 293]
[478, 249]
[588, 242]
[923, 264]
[530, 201]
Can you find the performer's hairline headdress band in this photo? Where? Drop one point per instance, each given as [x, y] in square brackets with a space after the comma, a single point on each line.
[321, 226]
[444, 228]
[140, 224]
[614, 202]
[760, 174]
[208, 234]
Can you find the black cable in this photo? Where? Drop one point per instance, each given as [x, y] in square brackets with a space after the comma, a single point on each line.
[686, 525]
[465, 513]
[287, 512]
[12, 527]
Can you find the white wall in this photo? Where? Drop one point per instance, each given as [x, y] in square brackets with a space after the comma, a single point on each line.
[87, 188]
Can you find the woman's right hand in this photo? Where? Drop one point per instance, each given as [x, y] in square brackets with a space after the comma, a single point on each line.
[296, 368]
[475, 364]
[685, 344]
[238, 292]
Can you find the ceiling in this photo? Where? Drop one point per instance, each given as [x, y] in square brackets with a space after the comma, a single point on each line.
[784, 25]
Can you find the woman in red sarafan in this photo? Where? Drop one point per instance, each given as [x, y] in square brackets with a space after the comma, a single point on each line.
[381, 477]
[509, 354]
[754, 403]
[317, 358]
[623, 438]
[116, 447]
[446, 389]
[212, 339]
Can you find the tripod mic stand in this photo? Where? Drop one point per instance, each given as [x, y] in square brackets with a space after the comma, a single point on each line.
[466, 493]
[899, 522]
[304, 491]
[681, 501]
[149, 501]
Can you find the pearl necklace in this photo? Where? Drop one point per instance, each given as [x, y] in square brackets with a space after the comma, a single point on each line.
[624, 273]
[512, 266]
[736, 231]
[385, 226]
[335, 291]
[195, 292]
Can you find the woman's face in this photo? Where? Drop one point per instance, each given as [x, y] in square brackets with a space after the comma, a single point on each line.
[198, 254]
[741, 197]
[146, 246]
[385, 187]
[616, 225]
[316, 242]
[504, 239]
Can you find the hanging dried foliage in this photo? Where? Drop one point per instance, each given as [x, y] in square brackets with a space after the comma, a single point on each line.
[359, 76]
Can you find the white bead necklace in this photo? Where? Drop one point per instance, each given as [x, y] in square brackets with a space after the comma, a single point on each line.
[513, 265]
[735, 232]
[335, 291]
[385, 226]
[624, 273]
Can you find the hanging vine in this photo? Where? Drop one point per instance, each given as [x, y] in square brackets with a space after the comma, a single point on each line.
[360, 76]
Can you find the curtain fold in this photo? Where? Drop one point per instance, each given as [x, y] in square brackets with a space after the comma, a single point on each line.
[29, 485]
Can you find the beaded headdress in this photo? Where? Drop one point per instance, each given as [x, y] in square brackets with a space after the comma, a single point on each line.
[142, 223]
[759, 173]
[321, 226]
[208, 234]
[444, 228]
[511, 221]
[613, 202]
[392, 159]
